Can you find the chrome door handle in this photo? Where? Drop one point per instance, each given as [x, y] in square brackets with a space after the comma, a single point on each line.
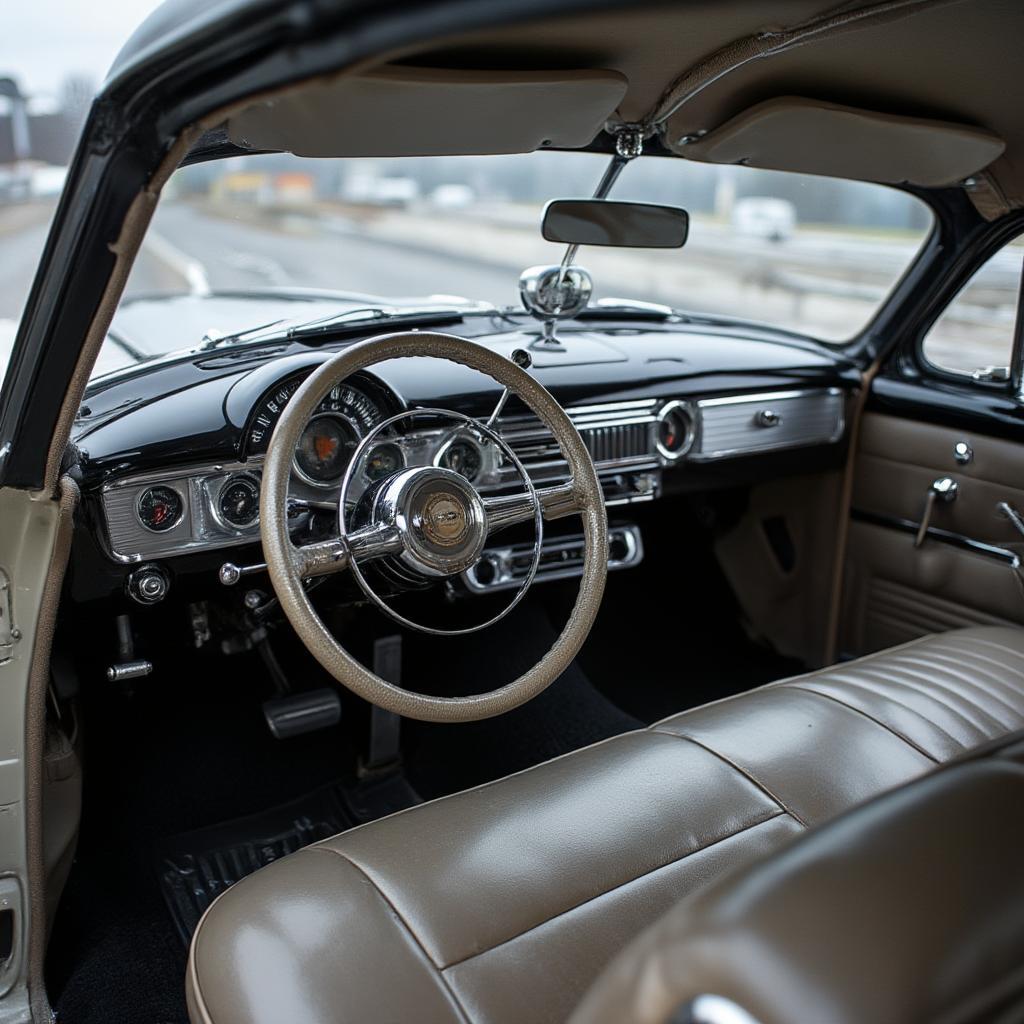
[943, 490]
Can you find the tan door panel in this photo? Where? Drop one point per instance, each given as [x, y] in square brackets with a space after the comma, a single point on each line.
[899, 459]
[894, 591]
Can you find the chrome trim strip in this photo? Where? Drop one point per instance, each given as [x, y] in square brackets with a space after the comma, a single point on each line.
[957, 540]
[767, 396]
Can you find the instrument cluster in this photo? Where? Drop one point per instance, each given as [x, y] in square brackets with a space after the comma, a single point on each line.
[179, 511]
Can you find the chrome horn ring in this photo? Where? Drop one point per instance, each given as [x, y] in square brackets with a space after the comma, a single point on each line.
[424, 547]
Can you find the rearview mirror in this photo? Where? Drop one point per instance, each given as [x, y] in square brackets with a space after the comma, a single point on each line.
[605, 222]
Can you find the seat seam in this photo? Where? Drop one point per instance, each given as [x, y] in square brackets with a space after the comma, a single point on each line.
[999, 647]
[776, 683]
[970, 711]
[967, 676]
[945, 654]
[763, 787]
[860, 685]
[615, 888]
[925, 686]
[438, 971]
[882, 725]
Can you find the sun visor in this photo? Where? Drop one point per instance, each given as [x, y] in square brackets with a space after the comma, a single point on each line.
[793, 134]
[410, 111]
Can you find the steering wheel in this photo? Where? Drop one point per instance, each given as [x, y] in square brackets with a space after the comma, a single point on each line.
[429, 522]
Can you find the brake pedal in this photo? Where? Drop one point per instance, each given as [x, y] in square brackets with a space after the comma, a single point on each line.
[300, 713]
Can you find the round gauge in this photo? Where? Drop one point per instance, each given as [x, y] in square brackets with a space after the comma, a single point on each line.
[160, 508]
[675, 430]
[463, 457]
[350, 403]
[324, 449]
[239, 501]
[383, 460]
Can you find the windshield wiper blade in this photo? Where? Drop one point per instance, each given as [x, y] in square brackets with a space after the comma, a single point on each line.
[325, 323]
[357, 319]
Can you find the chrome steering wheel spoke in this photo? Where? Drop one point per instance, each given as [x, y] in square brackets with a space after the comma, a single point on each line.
[509, 509]
[324, 557]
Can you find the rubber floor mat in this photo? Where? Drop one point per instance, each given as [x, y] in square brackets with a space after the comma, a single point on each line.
[196, 867]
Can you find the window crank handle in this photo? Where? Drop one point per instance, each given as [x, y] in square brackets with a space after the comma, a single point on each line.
[1006, 509]
[943, 490]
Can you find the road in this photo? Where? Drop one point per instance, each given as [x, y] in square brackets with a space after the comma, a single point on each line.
[242, 255]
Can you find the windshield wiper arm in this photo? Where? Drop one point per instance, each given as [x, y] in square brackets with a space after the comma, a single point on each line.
[214, 339]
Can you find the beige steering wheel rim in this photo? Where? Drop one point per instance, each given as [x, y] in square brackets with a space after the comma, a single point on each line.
[280, 552]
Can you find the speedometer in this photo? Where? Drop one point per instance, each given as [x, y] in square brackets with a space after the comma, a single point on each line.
[345, 401]
[324, 449]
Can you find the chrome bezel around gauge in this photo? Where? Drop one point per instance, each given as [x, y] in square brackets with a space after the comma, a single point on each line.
[215, 509]
[687, 409]
[463, 436]
[182, 508]
[402, 460]
[335, 482]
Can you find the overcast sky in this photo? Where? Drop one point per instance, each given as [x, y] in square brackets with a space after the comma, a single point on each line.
[42, 41]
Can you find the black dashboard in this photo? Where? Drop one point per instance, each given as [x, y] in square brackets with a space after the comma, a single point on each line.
[169, 454]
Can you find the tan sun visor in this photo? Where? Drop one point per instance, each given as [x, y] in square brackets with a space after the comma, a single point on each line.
[409, 111]
[793, 134]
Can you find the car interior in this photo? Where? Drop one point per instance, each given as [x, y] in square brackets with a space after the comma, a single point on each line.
[587, 658]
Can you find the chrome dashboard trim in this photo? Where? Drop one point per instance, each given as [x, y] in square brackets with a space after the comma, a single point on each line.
[201, 528]
[828, 432]
[691, 435]
[501, 558]
[123, 545]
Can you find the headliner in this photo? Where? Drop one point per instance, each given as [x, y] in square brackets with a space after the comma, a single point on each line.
[691, 67]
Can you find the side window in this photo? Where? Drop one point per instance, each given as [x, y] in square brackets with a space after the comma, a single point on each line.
[974, 335]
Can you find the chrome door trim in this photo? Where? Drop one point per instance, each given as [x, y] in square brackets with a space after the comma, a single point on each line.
[957, 540]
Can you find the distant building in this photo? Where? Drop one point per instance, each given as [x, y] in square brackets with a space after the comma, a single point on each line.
[28, 132]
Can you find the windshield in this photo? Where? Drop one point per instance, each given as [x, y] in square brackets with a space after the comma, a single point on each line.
[807, 254]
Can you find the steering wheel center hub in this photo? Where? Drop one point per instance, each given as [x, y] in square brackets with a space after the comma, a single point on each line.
[440, 517]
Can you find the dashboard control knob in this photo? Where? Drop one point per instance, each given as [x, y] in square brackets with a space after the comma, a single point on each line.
[618, 549]
[148, 584]
[488, 570]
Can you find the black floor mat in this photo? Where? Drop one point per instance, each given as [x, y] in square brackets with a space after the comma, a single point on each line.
[196, 867]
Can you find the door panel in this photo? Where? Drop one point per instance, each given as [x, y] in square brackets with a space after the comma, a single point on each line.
[967, 569]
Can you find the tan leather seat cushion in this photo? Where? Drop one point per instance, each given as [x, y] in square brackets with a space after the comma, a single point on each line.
[505, 902]
[910, 908]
